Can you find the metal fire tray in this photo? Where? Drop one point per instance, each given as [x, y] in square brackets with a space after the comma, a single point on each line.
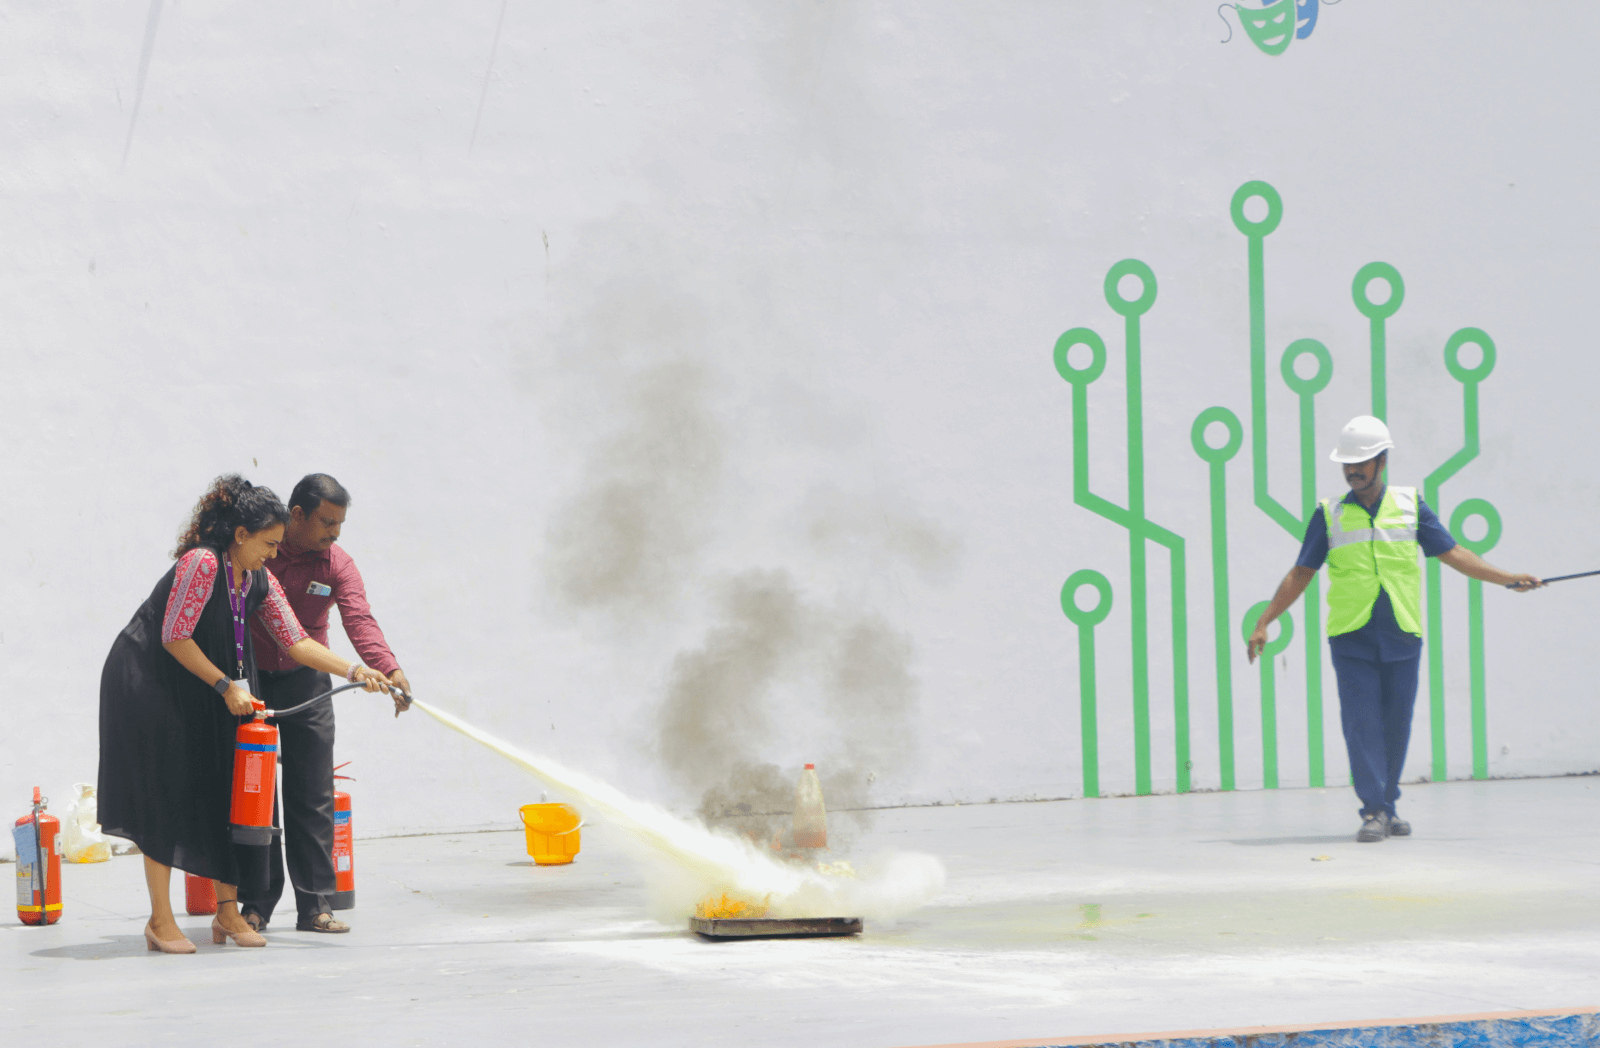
[774, 927]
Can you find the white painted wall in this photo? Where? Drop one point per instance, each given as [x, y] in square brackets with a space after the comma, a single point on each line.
[445, 251]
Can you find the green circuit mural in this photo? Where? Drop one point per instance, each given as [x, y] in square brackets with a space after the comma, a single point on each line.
[1142, 531]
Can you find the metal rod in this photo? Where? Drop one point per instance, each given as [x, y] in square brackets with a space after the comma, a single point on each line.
[1560, 578]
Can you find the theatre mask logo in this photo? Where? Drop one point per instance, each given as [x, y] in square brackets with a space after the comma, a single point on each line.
[1274, 26]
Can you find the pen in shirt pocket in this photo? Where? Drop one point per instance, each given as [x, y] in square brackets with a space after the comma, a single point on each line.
[318, 589]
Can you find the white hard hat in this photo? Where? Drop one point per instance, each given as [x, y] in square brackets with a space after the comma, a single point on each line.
[1362, 438]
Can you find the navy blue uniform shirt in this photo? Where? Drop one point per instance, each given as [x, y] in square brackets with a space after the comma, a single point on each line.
[1381, 639]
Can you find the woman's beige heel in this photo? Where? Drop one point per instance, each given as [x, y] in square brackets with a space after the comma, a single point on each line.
[178, 945]
[219, 934]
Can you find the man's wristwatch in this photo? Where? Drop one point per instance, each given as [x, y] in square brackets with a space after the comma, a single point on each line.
[222, 685]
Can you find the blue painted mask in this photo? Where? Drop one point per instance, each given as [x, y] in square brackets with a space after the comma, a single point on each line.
[1305, 18]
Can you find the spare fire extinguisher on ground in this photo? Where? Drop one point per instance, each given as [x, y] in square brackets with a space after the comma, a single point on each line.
[38, 840]
[255, 766]
[199, 895]
[344, 850]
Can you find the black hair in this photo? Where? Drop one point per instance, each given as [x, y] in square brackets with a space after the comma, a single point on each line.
[231, 502]
[316, 488]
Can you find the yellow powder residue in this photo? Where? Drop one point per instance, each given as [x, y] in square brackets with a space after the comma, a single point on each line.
[713, 908]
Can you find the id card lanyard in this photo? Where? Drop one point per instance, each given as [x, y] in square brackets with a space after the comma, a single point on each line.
[236, 605]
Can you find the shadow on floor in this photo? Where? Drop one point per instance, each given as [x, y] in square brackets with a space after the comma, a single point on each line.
[116, 947]
[1260, 842]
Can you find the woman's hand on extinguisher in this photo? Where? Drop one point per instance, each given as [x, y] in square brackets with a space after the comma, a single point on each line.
[240, 702]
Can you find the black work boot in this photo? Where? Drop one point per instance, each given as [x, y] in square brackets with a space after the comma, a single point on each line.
[1374, 827]
[1399, 827]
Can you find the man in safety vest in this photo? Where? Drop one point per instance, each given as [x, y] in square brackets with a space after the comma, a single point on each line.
[1370, 540]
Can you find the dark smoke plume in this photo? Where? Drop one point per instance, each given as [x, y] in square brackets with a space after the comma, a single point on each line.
[787, 669]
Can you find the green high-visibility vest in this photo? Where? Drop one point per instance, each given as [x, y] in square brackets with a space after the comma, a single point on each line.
[1365, 552]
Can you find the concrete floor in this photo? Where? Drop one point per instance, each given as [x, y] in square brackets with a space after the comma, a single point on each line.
[1060, 919]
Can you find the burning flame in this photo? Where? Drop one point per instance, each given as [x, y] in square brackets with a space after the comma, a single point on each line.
[713, 908]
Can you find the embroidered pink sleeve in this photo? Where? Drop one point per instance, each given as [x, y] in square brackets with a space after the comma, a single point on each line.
[191, 588]
[279, 617]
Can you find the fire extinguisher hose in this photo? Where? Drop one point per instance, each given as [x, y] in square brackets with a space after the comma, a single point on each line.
[43, 870]
[325, 695]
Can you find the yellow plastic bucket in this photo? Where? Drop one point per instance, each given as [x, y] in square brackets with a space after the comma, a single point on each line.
[552, 831]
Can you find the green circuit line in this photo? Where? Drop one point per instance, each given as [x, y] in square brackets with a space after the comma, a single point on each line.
[1256, 233]
[1378, 314]
[1475, 659]
[1088, 717]
[1140, 528]
[1307, 389]
[1218, 458]
[1469, 379]
[1269, 688]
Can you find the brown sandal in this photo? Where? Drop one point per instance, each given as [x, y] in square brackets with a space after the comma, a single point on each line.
[322, 922]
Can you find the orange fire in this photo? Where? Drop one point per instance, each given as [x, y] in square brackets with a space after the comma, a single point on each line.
[713, 908]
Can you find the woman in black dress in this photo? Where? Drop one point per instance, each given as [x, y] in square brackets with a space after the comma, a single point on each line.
[178, 679]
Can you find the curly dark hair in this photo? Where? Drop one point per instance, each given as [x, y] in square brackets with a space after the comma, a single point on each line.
[230, 503]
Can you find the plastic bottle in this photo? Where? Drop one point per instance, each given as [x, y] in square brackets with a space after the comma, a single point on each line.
[81, 838]
[810, 815]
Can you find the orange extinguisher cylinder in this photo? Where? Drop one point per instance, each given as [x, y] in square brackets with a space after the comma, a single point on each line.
[344, 854]
[199, 895]
[38, 837]
[255, 769]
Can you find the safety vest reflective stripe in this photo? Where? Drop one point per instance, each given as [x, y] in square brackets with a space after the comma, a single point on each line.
[1345, 538]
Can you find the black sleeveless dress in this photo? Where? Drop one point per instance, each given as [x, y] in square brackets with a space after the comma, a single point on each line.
[166, 737]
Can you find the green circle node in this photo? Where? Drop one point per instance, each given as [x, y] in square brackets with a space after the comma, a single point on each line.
[1452, 354]
[1285, 630]
[1081, 336]
[1476, 508]
[1086, 577]
[1378, 271]
[1197, 435]
[1274, 209]
[1316, 383]
[1146, 299]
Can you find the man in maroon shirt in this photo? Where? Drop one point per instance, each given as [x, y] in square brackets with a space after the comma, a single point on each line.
[315, 574]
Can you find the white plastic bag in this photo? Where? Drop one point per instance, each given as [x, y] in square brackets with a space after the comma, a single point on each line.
[82, 840]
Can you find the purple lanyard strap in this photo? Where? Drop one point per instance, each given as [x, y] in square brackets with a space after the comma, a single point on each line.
[236, 605]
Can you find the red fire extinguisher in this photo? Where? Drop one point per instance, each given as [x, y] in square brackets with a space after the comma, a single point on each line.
[37, 836]
[199, 895]
[255, 769]
[344, 850]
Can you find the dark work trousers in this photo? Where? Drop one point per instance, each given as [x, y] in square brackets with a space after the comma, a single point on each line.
[1375, 703]
[305, 741]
